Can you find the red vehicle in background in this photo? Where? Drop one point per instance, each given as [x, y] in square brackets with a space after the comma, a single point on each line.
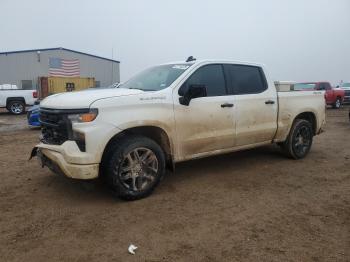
[333, 96]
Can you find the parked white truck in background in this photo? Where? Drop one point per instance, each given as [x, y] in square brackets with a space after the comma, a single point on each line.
[171, 113]
[15, 100]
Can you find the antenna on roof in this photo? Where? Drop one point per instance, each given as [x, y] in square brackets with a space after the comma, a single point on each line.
[190, 59]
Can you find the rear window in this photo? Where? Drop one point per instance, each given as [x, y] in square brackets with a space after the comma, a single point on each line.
[246, 79]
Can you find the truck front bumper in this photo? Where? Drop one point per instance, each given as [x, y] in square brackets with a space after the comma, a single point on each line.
[55, 158]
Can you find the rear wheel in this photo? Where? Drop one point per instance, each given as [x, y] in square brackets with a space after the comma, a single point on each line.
[299, 141]
[134, 167]
[337, 103]
[16, 107]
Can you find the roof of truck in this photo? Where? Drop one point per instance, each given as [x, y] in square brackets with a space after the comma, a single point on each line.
[219, 61]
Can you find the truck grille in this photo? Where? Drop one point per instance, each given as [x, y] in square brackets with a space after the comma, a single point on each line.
[347, 96]
[56, 127]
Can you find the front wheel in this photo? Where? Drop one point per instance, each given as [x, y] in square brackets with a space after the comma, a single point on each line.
[134, 167]
[337, 103]
[299, 141]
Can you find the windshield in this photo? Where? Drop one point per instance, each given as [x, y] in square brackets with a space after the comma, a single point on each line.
[156, 78]
[304, 86]
[345, 85]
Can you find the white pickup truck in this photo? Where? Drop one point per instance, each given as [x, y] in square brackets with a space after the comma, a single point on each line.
[15, 100]
[170, 113]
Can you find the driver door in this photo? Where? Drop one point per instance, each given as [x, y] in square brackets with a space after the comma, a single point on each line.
[207, 123]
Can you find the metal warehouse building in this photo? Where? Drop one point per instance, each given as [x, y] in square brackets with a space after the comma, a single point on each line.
[28, 68]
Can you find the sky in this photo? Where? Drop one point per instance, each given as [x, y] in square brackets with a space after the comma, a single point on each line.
[299, 40]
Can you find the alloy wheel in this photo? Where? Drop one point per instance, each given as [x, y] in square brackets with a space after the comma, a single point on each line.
[337, 103]
[138, 169]
[302, 140]
[16, 108]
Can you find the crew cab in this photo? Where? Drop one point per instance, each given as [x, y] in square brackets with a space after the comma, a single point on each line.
[333, 96]
[171, 113]
[15, 100]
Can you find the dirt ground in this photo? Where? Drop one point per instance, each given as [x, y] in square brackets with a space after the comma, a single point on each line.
[254, 205]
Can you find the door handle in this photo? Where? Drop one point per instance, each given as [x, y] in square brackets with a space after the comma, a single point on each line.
[269, 102]
[226, 105]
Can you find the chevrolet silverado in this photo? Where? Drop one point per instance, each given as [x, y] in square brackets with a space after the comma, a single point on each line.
[171, 113]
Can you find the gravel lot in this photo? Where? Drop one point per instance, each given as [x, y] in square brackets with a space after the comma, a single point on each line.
[254, 205]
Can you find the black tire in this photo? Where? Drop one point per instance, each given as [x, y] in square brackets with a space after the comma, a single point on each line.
[337, 103]
[299, 141]
[113, 167]
[16, 107]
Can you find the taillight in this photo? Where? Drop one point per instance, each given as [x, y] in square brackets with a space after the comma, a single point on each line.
[35, 94]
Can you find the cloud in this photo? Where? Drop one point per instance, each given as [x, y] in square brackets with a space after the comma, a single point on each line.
[297, 40]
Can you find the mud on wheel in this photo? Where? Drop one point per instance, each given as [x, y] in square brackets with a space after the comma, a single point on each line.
[299, 141]
[134, 167]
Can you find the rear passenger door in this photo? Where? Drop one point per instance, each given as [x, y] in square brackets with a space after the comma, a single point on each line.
[255, 104]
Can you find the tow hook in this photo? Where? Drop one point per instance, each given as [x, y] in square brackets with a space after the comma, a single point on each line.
[33, 153]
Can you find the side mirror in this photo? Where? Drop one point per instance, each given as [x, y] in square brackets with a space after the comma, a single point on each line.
[194, 91]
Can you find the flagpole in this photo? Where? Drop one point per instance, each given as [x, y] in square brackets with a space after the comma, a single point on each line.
[112, 66]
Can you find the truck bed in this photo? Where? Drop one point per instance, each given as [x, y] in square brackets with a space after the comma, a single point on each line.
[290, 102]
[26, 95]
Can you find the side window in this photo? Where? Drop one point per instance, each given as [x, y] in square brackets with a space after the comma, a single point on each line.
[321, 86]
[247, 79]
[212, 76]
[324, 86]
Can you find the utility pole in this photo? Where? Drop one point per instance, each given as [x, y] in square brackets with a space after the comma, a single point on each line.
[112, 80]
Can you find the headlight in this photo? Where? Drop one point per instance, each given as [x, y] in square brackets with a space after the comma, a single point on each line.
[84, 117]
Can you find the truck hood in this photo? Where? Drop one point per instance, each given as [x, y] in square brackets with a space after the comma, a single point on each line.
[83, 99]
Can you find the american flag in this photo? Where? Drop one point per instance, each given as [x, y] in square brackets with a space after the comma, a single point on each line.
[64, 67]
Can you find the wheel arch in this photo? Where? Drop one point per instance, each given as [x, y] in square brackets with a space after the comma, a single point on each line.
[157, 134]
[308, 116]
[19, 98]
